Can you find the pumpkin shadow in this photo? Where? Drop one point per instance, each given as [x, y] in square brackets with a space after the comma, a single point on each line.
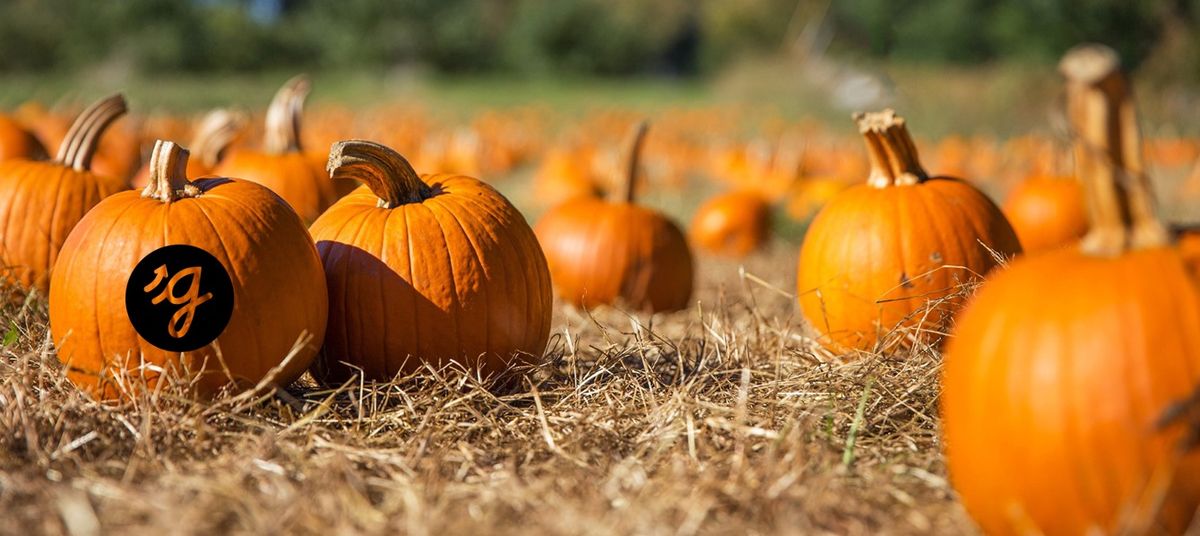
[381, 328]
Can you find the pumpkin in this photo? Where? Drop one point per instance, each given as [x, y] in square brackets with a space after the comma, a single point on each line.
[282, 165]
[1047, 212]
[16, 142]
[893, 253]
[41, 201]
[732, 224]
[600, 251]
[1070, 386]
[276, 285]
[214, 135]
[427, 269]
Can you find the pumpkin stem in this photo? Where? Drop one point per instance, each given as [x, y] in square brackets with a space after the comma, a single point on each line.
[284, 116]
[894, 159]
[81, 141]
[1108, 154]
[634, 154]
[384, 171]
[168, 173]
[215, 134]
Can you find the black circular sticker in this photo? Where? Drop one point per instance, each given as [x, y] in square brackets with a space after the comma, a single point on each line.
[179, 298]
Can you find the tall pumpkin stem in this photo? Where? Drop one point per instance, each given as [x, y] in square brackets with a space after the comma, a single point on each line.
[216, 133]
[384, 171]
[168, 174]
[1108, 154]
[893, 154]
[83, 138]
[634, 155]
[284, 116]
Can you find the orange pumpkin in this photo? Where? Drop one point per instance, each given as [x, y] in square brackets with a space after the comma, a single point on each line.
[427, 272]
[601, 251]
[1047, 212]
[276, 285]
[733, 224]
[41, 201]
[214, 135]
[893, 252]
[282, 164]
[1070, 386]
[16, 142]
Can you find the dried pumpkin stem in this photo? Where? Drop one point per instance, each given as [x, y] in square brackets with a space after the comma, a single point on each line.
[83, 138]
[634, 155]
[1108, 154]
[384, 171]
[168, 174]
[215, 134]
[284, 117]
[894, 158]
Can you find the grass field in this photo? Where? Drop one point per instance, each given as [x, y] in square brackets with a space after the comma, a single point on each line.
[721, 419]
[725, 418]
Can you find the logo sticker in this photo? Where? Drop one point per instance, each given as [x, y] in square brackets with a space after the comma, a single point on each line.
[179, 298]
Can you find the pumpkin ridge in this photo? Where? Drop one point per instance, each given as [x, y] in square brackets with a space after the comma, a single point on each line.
[486, 288]
[237, 279]
[52, 235]
[95, 284]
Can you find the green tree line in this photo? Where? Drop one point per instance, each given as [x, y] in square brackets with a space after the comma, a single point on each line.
[604, 37]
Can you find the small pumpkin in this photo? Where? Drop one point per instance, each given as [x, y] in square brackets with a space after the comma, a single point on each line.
[16, 142]
[41, 201]
[1069, 401]
[600, 251]
[733, 224]
[1047, 212]
[282, 165]
[426, 269]
[891, 253]
[214, 135]
[279, 303]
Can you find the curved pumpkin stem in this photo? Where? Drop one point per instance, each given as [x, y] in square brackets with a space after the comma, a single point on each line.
[894, 159]
[81, 141]
[388, 174]
[215, 134]
[634, 154]
[284, 116]
[1108, 154]
[168, 174]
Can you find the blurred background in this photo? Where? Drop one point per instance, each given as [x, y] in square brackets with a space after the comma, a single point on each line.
[961, 65]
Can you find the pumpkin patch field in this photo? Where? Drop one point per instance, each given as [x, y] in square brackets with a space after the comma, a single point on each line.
[802, 294]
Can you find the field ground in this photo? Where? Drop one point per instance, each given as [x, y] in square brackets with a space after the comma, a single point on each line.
[722, 419]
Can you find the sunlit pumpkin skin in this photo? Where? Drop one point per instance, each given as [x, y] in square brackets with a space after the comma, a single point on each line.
[427, 272]
[1047, 212]
[602, 252]
[733, 224]
[278, 284]
[1071, 387]
[16, 142]
[1103, 347]
[893, 253]
[282, 164]
[41, 201]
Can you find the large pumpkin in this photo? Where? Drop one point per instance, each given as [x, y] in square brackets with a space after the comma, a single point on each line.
[41, 201]
[214, 135]
[1070, 385]
[282, 165]
[1047, 212]
[601, 251]
[110, 266]
[895, 252]
[16, 142]
[426, 269]
[732, 224]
